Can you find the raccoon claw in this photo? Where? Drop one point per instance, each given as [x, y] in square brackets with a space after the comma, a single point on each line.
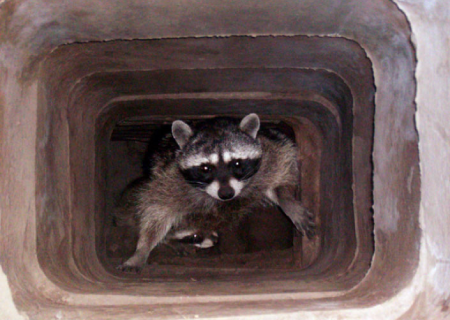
[129, 269]
[305, 224]
[310, 232]
[307, 230]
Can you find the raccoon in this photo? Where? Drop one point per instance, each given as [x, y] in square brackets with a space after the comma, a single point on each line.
[223, 168]
[198, 231]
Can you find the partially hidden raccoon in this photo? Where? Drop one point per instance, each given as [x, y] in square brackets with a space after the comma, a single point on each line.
[221, 168]
[193, 232]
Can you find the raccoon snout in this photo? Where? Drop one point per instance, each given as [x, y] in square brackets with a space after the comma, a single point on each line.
[226, 193]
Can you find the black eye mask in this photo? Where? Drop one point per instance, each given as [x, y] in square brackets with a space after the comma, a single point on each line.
[192, 239]
[243, 169]
[198, 176]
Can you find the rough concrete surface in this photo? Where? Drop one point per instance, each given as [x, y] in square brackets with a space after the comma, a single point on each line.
[430, 23]
[66, 75]
[7, 308]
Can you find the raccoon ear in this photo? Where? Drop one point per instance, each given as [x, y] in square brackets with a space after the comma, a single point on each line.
[250, 124]
[181, 132]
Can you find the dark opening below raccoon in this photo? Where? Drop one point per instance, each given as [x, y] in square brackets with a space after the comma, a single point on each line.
[221, 168]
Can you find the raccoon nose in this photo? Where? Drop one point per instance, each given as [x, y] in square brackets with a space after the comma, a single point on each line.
[226, 193]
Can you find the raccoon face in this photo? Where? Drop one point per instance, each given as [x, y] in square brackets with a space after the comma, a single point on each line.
[224, 180]
[221, 157]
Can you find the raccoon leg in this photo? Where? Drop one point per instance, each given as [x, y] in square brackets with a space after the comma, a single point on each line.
[153, 229]
[301, 217]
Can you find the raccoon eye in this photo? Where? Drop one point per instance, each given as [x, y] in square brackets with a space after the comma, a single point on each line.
[206, 168]
[237, 163]
[197, 238]
[192, 239]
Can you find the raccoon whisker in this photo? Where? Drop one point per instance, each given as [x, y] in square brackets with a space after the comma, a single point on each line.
[197, 183]
[248, 175]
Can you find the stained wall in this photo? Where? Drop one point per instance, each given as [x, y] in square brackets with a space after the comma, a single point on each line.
[411, 227]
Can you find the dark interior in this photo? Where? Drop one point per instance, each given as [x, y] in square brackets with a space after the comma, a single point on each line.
[287, 88]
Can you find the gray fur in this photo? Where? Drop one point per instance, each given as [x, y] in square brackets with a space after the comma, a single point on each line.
[250, 125]
[203, 141]
[165, 202]
[181, 132]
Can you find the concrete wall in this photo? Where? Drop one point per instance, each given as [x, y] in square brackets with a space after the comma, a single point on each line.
[430, 23]
[29, 30]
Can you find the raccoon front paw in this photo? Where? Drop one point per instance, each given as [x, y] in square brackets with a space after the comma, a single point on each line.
[305, 223]
[129, 269]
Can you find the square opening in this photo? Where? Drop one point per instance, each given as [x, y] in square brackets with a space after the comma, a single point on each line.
[261, 240]
[264, 239]
[321, 90]
[226, 77]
